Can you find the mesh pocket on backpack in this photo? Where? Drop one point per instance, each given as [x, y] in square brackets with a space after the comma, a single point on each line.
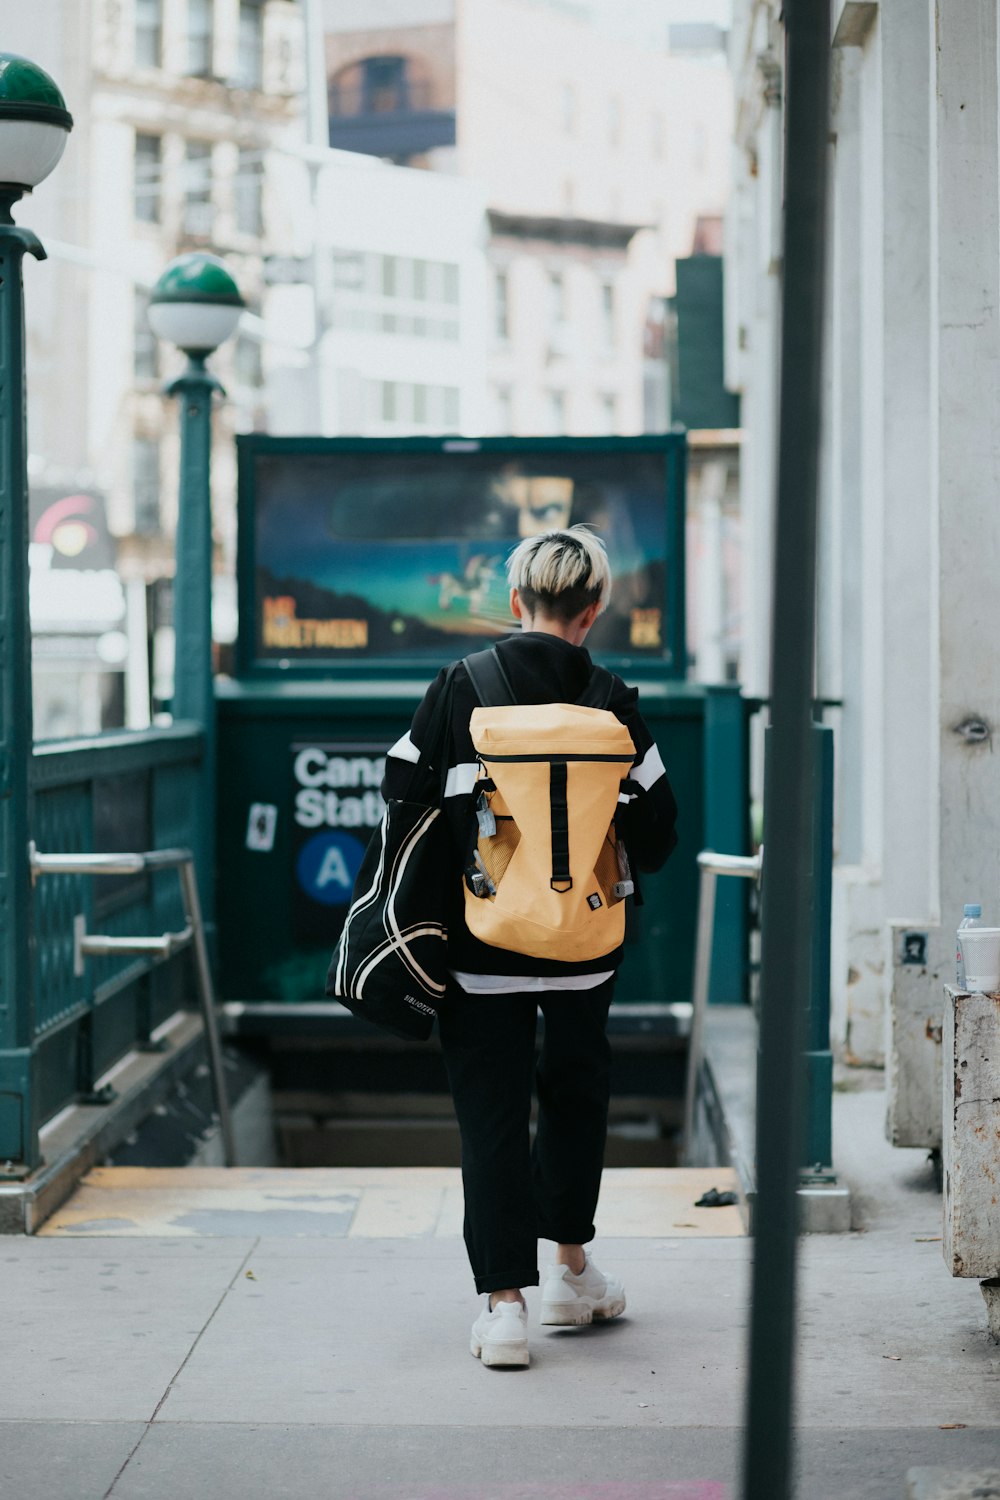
[497, 852]
[607, 871]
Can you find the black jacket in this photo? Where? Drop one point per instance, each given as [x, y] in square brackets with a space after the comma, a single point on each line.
[542, 668]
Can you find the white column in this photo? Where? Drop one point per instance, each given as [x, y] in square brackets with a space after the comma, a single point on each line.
[909, 554]
[851, 582]
[710, 620]
[966, 422]
[909, 651]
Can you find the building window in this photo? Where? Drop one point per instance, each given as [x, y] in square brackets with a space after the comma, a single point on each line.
[435, 408]
[568, 99]
[250, 193]
[384, 86]
[614, 122]
[198, 189]
[396, 294]
[505, 411]
[608, 313]
[247, 361]
[700, 144]
[557, 299]
[557, 412]
[609, 414]
[250, 47]
[145, 344]
[148, 168]
[501, 305]
[199, 38]
[148, 33]
[146, 485]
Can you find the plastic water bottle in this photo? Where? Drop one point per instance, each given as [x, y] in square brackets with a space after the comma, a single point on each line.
[972, 916]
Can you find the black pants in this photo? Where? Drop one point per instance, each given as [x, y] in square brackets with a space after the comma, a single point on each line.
[516, 1193]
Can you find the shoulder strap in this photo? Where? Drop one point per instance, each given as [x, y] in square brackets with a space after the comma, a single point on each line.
[433, 752]
[490, 680]
[599, 690]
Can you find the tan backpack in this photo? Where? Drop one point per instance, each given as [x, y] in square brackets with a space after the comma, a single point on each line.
[547, 875]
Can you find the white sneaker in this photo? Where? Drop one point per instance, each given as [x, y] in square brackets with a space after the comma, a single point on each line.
[572, 1300]
[500, 1337]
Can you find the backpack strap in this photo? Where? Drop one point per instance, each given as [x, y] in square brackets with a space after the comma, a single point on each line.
[489, 678]
[599, 690]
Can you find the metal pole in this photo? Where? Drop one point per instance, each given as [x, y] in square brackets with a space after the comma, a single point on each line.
[18, 1115]
[788, 837]
[194, 692]
[710, 866]
[206, 993]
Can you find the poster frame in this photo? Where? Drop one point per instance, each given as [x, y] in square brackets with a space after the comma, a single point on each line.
[672, 445]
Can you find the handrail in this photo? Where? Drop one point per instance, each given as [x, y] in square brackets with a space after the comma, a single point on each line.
[160, 946]
[711, 866]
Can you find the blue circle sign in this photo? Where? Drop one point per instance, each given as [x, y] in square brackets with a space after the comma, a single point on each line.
[327, 867]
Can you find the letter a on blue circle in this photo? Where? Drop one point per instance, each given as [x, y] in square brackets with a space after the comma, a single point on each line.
[327, 867]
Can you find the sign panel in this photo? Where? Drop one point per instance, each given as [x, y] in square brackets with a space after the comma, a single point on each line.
[336, 806]
[366, 550]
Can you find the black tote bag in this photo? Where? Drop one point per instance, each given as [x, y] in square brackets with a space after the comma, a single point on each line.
[389, 965]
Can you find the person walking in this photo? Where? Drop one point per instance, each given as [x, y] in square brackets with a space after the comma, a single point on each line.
[516, 1193]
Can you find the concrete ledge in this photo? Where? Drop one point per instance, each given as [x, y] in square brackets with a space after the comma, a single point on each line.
[953, 1484]
[82, 1135]
[725, 1132]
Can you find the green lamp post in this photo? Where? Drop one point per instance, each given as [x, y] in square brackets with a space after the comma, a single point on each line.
[196, 305]
[34, 124]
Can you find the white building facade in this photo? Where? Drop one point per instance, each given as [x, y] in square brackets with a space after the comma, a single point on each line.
[597, 157]
[400, 261]
[184, 111]
[909, 610]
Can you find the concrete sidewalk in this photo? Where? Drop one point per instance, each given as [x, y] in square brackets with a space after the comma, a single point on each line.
[263, 1367]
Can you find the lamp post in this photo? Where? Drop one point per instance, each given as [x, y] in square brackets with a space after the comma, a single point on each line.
[196, 305]
[34, 124]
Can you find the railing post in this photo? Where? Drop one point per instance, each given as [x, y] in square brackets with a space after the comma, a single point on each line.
[817, 1160]
[727, 827]
[18, 1123]
[194, 691]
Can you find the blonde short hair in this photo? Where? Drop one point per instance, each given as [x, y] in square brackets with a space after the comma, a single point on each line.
[560, 573]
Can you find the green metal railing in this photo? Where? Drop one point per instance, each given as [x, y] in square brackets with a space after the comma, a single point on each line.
[110, 793]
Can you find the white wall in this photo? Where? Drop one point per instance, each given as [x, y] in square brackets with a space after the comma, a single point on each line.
[909, 612]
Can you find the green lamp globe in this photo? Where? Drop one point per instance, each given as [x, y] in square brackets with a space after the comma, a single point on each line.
[34, 123]
[196, 304]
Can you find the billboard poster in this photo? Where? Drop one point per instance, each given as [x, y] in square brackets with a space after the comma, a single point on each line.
[363, 553]
[336, 806]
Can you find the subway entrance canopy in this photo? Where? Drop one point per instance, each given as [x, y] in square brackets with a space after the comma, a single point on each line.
[364, 566]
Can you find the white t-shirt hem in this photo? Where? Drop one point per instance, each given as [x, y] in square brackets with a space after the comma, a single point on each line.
[526, 984]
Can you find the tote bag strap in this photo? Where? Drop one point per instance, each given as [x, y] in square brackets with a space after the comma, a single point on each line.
[433, 753]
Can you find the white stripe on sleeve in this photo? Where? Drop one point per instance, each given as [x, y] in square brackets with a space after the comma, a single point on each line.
[405, 749]
[649, 769]
[461, 779]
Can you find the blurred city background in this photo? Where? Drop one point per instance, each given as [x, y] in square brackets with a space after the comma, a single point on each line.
[481, 217]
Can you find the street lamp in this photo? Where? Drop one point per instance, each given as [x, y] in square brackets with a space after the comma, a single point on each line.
[34, 124]
[196, 305]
